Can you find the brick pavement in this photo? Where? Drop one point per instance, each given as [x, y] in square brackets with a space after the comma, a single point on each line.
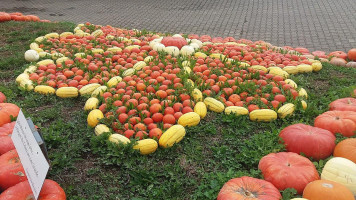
[327, 25]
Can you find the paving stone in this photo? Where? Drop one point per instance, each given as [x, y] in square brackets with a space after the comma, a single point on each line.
[316, 24]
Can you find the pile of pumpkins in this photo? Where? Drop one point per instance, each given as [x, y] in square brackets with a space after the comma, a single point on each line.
[291, 170]
[345, 60]
[17, 16]
[13, 180]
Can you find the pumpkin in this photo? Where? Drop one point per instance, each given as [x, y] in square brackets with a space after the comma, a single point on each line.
[346, 149]
[7, 129]
[88, 89]
[351, 54]
[351, 64]
[67, 92]
[341, 170]
[174, 41]
[171, 136]
[200, 109]
[288, 170]
[312, 141]
[345, 104]
[94, 117]
[4, 17]
[31, 55]
[214, 105]
[2, 98]
[172, 50]
[338, 54]
[189, 119]
[6, 144]
[187, 50]
[8, 111]
[338, 62]
[343, 122]
[263, 115]
[9, 158]
[319, 54]
[11, 174]
[245, 188]
[324, 189]
[22, 191]
[146, 146]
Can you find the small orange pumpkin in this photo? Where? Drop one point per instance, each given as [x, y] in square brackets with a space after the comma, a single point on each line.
[346, 149]
[8, 110]
[352, 54]
[338, 61]
[324, 189]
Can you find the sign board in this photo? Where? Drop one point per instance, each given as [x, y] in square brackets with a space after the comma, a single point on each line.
[31, 156]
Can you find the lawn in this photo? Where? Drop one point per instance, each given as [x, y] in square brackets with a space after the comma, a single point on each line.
[221, 147]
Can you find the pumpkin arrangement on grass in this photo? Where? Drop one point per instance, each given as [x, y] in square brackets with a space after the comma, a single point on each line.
[16, 16]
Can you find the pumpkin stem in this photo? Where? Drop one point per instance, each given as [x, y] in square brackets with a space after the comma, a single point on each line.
[249, 194]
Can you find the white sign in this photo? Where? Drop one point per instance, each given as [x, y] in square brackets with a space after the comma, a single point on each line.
[31, 156]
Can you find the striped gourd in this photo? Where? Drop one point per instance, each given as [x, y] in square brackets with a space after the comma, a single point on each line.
[34, 45]
[197, 95]
[291, 82]
[44, 89]
[97, 33]
[190, 82]
[91, 104]
[61, 60]
[88, 89]
[132, 47]
[148, 59]
[214, 105]
[189, 119]
[67, 92]
[43, 54]
[259, 67]
[291, 69]
[52, 35]
[304, 104]
[118, 139]
[45, 62]
[139, 65]
[286, 110]
[114, 81]
[94, 117]
[304, 68]
[173, 135]
[99, 91]
[128, 72]
[65, 34]
[56, 55]
[26, 84]
[263, 115]
[243, 64]
[97, 51]
[110, 37]
[217, 55]
[79, 55]
[200, 109]
[31, 69]
[187, 70]
[186, 64]
[22, 77]
[200, 55]
[40, 39]
[236, 110]
[114, 49]
[39, 50]
[146, 146]
[317, 66]
[303, 93]
[100, 129]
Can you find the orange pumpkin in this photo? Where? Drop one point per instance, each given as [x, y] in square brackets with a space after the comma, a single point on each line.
[345, 104]
[343, 122]
[174, 41]
[22, 191]
[338, 62]
[352, 54]
[8, 110]
[2, 96]
[288, 170]
[338, 54]
[4, 17]
[248, 188]
[346, 149]
[324, 189]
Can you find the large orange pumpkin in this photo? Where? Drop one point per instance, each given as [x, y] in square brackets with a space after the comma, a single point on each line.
[11, 174]
[22, 191]
[8, 110]
[174, 41]
[6, 144]
[312, 141]
[4, 17]
[288, 170]
[248, 188]
[346, 149]
[9, 158]
[327, 190]
[343, 122]
[344, 104]
[7, 129]
[352, 54]
[338, 54]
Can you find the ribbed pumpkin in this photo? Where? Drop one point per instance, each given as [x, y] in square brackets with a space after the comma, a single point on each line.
[346, 149]
[288, 170]
[343, 122]
[67, 92]
[286, 110]
[128, 72]
[11, 174]
[8, 111]
[344, 104]
[200, 109]
[146, 146]
[94, 117]
[214, 105]
[338, 62]
[245, 188]
[88, 89]
[263, 115]
[236, 110]
[189, 119]
[174, 41]
[324, 189]
[44, 89]
[312, 141]
[171, 136]
[341, 170]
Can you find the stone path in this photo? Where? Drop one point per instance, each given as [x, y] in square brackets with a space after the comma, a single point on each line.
[326, 25]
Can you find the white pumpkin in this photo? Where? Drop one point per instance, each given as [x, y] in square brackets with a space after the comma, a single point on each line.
[177, 35]
[31, 55]
[198, 42]
[172, 50]
[194, 45]
[159, 47]
[187, 50]
[341, 170]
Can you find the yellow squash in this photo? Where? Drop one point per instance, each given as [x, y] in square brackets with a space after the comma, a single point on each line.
[146, 146]
[214, 105]
[45, 62]
[114, 81]
[304, 68]
[197, 95]
[291, 82]
[200, 109]
[128, 72]
[67, 92]
[237, 110]
[91, 103]
[189, 119]
[317, 66]
[97, 33]
[303, 93]
[100, 129]
[263, 115]
[286, 110]
[259, 67]
[88, 89]
[173, 135]
[94, 117]
[118, 138]
[139, 65]
[291, 69]
[99, 91]
[44, 89]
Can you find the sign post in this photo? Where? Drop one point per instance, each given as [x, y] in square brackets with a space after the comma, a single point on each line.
[30, 154]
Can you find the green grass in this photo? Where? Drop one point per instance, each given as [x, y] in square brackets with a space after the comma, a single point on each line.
[220, 148]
